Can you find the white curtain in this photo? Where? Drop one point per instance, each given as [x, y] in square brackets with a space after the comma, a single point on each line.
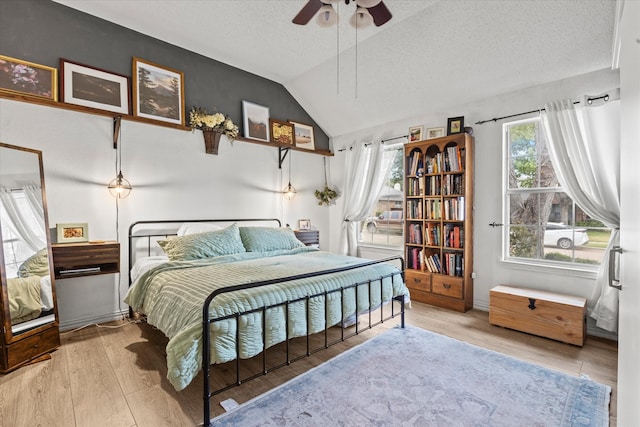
[366, 169]
[33, 195]
[23, 223]
[584, 144]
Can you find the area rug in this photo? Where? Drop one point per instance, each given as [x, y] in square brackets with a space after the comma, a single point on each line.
[412, 377]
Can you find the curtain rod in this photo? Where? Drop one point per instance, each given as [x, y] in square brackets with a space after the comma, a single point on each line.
[495, 119]
[366, 144]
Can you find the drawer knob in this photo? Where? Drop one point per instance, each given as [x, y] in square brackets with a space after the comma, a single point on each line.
[416, 280]
[532, 304]
[446, 286]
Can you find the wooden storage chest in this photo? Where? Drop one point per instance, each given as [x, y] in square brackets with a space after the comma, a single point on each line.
[546, 314]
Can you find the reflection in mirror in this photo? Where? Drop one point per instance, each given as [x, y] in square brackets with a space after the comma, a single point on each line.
[24, 240]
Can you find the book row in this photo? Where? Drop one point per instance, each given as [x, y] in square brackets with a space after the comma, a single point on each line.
[452, 264]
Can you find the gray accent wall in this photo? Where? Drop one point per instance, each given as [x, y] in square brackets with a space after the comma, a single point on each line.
[43, 31]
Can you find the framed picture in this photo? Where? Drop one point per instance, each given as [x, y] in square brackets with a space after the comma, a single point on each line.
[158, 92]
[304, 224]
[255, 121]
[71, 233]
[435, 133]
[26, 78]
[281, 132]
[304, 137]
[92, 87]
[415, 133]
[455, 125]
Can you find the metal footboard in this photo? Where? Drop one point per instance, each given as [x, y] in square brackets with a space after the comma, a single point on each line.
[206, 323]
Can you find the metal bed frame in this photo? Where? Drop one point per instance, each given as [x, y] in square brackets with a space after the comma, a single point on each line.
[207, 321]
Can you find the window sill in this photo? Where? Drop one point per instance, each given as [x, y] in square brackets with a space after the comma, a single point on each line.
[586, 272]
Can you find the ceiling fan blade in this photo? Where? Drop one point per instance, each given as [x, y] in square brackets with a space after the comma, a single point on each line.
[307, 12]
[380, 14]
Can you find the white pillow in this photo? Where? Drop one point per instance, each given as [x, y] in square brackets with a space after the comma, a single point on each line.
[196, 227]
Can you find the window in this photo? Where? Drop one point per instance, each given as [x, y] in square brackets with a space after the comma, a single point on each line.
[542, 223]
[15, 249]
[385, 224]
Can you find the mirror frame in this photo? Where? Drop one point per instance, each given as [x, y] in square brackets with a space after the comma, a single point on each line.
[5, 315]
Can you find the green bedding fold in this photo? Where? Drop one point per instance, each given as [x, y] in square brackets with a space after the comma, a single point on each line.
[172, 295]
[24, 298]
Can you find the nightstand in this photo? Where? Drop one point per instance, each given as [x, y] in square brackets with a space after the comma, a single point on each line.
[85, 259]
[308, 237]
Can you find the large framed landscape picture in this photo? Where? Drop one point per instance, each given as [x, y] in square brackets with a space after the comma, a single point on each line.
[255, 121]
[158, 92]
[92, 87]
[27, 78]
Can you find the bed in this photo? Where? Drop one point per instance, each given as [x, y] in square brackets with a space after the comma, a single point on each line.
[229, 289]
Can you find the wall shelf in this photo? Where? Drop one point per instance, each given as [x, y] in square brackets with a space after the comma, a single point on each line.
[96, 111]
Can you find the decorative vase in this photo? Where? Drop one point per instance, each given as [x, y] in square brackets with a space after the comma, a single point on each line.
[211, 141]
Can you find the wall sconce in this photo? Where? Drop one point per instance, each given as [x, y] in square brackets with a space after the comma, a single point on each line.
[119, 187]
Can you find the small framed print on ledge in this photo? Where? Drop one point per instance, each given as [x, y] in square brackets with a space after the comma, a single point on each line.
[281, 132]
[72, 233]
[435, 133]
[455, 125]
[415, 133]
[304, 224]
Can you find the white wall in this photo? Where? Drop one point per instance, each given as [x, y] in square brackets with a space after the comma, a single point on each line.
[490, 271]
[172, 178]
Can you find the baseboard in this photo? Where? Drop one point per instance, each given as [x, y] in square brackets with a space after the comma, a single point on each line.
[92, 320]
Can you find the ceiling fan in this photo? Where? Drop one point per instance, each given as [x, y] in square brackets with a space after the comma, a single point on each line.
[367, 12]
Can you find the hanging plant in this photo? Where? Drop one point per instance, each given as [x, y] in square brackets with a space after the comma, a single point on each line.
[327, 195]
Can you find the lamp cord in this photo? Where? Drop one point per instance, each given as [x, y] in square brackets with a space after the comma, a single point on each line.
[118, 167]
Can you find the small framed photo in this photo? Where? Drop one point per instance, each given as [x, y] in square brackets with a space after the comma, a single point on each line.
[415, 133]
[435, 133]
[304, 137]
[26, 78]
[92, 87]
[304, 224]
[158, 92]
[72, 233]
[455, 125]
[281, 132]
[255, 121]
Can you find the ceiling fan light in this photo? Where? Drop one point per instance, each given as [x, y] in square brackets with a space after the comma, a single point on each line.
[327, 16]
[361, 18]
[367, 3]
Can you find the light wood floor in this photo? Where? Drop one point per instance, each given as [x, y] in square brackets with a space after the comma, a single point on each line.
[116, 376]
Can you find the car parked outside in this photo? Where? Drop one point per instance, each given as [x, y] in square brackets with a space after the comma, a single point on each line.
[564, 237]
[389, 221]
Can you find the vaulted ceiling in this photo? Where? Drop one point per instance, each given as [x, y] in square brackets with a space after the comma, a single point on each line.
[431, 56]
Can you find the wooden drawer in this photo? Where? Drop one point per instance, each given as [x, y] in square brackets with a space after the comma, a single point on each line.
[308, 237]
[449, 286]
[417, 280]
[546, 314]
[24, 350]
[81, 259]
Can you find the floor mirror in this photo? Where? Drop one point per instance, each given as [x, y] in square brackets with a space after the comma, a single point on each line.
[29, 313]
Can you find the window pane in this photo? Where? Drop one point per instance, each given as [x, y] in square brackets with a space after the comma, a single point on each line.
[385, 224]
[544, 224]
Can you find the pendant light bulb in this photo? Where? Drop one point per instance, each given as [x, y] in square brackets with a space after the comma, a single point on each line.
[289, 192]
[119, 187]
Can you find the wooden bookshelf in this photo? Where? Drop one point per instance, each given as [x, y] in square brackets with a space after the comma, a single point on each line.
[439, 221]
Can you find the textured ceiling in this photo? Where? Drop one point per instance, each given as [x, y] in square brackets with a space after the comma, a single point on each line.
[432, 55]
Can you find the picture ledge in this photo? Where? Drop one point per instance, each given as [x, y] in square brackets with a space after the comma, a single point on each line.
[96, 111]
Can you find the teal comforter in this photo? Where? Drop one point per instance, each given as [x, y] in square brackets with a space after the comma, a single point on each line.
[172, 296]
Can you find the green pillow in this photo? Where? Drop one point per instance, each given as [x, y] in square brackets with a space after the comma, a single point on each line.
[36, 265]
[263, 239]
[203, 245]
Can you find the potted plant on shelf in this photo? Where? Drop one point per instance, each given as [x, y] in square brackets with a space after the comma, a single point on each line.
[213, 126]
